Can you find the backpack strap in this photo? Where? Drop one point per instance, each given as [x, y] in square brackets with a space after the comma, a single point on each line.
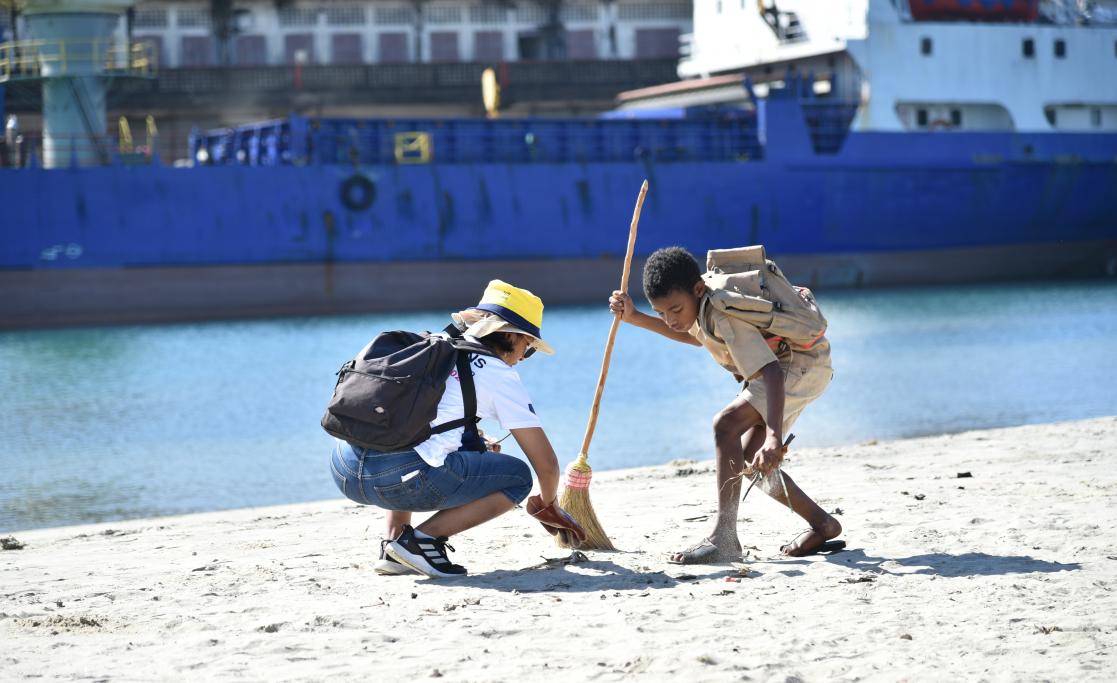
[471, 439]
[704, 318]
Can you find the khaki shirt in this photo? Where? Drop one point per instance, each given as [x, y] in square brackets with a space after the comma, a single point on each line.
[742, 349]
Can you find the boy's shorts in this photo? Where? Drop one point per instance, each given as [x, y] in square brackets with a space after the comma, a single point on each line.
[806, 378]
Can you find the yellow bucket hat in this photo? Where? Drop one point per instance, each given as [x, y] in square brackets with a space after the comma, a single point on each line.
[514, 310]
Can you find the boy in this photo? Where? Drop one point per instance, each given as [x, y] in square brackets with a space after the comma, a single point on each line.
[780, 379]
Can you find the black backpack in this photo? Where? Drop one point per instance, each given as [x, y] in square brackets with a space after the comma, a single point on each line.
[386, 397]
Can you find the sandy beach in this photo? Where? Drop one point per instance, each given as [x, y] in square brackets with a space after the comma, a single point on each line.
[1007, 574]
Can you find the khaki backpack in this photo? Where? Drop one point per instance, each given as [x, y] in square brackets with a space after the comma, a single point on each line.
[745, 284]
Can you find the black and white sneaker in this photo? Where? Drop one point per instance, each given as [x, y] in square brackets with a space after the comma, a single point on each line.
[387, 565]
[424, 555]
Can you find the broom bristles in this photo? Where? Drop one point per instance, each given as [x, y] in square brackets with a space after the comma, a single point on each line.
[575, 499]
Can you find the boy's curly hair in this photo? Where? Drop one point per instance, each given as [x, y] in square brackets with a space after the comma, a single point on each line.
[669, 269]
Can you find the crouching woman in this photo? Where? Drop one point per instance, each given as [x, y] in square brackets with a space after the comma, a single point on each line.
[465, 483]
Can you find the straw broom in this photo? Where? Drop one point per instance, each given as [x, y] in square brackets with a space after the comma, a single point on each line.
[575, 498]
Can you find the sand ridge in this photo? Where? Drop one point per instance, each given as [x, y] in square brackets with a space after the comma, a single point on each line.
[1008, 574]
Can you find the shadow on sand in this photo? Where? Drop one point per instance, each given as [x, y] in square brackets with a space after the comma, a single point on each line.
[585, 576]
[947, 565]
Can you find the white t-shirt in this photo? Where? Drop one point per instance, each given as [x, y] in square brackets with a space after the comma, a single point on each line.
[501, 395]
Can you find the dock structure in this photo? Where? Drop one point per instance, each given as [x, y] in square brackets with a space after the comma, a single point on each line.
[372, 58]
[73, 52]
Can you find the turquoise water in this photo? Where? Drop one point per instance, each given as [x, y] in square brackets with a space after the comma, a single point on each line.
[115, 423]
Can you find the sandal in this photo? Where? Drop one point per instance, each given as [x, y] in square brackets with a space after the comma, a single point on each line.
[826, 547]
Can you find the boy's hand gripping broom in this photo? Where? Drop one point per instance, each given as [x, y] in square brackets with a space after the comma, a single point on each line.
[575, 497]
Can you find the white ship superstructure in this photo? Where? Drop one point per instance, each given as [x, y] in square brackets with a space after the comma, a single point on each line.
[1054, 70]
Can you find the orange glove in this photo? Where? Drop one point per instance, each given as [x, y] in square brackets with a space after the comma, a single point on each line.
[556, 521]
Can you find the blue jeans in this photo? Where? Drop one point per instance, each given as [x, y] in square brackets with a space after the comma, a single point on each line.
[404, 481]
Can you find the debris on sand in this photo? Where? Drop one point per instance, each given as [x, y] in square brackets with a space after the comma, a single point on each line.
[60, 622]
[576, 557]
[10, 543]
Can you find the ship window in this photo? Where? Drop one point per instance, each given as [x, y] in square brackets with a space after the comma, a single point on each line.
[955, 117]
[1060, 48]
[1029, 47]
[530, 46]
[1049, 113]
[921, 118]
[925, 45]
[1095, 117]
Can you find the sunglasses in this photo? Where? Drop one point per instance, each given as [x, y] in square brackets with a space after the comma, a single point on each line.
[529, 353]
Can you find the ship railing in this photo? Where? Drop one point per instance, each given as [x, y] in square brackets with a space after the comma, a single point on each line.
[456, 141]
[37, 59]
[390, 83]
[30, 150]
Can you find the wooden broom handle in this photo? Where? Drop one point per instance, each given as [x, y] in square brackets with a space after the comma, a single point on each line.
[616, 323]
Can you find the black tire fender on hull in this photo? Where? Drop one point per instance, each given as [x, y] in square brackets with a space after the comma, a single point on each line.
[357, 192]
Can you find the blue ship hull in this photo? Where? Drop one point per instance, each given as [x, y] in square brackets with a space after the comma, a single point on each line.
[884, 192]
[883, 195]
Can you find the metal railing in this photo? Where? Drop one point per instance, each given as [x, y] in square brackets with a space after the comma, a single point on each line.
[552, 75]
[463, 141]
[30, 150]
[275, 87]
[35, 59]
